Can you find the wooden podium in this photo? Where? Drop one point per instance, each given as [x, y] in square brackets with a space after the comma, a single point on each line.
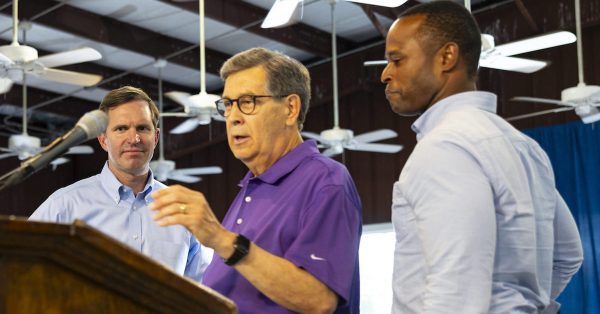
[54, 268]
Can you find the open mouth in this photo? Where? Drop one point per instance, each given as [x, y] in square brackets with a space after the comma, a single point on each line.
[237, 139]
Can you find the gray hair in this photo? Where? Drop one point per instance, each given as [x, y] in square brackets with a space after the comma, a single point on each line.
[285, 75]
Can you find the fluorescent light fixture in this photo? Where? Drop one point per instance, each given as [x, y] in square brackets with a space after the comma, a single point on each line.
[536, 43]
[282, 13]
[382, 3]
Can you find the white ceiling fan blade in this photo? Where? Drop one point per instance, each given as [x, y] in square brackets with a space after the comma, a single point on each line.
[538, 113]
[2, 156]
[282, 13]
[332, 151]
[175, 114]
[375, 63]
[185, 127]
[180, 98]
[377, 148]
[69, 77]
[58, 161]
[80, 149]
[313, 136]
[218, 117]
[548, 40]
[80, 55]
[382, 3]
[184, 178]
[5, 85]
[374, 136]
[512, 64]
[198, 171]
[543, 101]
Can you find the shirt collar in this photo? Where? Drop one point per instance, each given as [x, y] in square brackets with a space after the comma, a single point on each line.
[285, 164]
[116, 190]
[431, 117]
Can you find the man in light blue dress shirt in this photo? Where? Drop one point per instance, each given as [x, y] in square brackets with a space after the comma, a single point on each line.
[480, 226]
[116, 200]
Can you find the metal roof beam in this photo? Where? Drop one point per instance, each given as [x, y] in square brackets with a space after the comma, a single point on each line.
[112, 32]
[240, 14]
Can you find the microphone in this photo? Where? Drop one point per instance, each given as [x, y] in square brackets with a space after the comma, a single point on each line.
[92, 124]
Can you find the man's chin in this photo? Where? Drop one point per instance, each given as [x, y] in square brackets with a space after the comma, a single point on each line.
[409, 114]
[404, 112]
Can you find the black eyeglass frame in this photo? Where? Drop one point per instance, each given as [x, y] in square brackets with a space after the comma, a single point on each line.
[221, 103]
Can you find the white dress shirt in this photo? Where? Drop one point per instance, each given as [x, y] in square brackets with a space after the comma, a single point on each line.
[480, 227]
[106, 204]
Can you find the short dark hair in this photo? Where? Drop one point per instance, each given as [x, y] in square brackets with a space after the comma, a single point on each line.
[126, 94]
[285, 75]
[447, 21]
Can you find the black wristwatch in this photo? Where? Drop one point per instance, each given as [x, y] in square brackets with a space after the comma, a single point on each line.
[241, 247]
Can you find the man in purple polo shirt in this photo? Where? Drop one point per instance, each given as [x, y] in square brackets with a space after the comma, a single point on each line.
[289, 242]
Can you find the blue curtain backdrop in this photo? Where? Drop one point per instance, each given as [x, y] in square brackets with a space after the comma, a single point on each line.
[574, 150]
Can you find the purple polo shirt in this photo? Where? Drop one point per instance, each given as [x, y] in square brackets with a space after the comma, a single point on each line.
[304, 208]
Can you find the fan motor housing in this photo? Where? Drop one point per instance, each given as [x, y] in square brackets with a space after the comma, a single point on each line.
[19, 53]
[337, 135]
[22, 140]
[161, 168]
[25, 145]
[579, 92]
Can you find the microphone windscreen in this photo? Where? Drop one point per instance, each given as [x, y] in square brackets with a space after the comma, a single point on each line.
[93, 123]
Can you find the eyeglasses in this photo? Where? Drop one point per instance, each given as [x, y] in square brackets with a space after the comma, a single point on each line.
[246, 103]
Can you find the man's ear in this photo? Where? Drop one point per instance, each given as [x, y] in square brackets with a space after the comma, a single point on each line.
[156, 137]
[448, 56]
[102, 141]
[293, 104]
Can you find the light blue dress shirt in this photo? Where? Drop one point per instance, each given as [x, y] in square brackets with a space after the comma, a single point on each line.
[107, 205]
[480, 226]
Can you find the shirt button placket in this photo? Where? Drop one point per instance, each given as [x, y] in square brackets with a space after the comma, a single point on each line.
[247, 199]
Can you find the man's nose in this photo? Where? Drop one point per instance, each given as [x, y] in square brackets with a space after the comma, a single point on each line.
[385, 74]
[235, 116]
[134, 137]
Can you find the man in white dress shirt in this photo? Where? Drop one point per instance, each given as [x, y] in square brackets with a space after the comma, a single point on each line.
[480, 226]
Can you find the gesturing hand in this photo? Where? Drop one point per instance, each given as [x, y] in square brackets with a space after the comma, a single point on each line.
[180, 205]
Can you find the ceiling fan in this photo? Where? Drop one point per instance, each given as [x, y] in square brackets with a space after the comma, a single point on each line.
[335, 140]
[17, 60]
[501, 57]
[25, 146]
[165, 169]
[584, 99]
[285, 12]
[200, 108]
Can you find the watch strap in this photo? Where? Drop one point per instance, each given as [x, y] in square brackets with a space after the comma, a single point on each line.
[241, 247]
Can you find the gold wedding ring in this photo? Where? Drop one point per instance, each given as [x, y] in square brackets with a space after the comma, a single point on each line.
[183, 209]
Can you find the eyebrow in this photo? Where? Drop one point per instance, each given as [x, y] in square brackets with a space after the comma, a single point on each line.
[394, 53]
[244, 93]
[126, 125]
